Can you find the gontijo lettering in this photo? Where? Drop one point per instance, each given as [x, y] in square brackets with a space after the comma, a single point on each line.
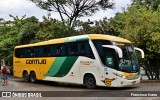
[36, 61]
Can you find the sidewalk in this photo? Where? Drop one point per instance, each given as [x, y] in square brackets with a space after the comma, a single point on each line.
[144, 81]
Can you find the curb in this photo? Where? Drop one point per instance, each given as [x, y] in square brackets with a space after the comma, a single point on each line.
[150, 81]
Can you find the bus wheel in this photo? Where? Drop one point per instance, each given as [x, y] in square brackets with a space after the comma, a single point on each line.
[33, 77]
[25, 76]
[90, 81]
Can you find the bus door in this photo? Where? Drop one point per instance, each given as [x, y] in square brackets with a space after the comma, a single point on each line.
[109, 61]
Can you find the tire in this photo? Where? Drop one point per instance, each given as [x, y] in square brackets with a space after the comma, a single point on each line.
[25, 76]
[90, 81]
[33, 77]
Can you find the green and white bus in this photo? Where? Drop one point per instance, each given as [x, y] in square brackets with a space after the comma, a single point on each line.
[92, 60]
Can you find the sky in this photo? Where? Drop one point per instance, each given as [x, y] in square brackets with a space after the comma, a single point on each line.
[26, 7]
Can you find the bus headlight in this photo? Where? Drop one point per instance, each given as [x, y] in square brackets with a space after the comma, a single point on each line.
[123, 76]
[120, 75]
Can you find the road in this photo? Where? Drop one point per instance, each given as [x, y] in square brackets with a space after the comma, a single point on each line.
[72, 91]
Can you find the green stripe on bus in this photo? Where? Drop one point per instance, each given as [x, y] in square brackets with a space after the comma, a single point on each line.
[66, 66]
[55, 67]
[61, 66]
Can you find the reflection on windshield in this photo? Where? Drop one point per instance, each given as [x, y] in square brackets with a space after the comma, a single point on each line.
[129, 61]
[110, 59]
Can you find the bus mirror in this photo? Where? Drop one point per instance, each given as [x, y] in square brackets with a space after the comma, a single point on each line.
[140, 50]
[118, 50]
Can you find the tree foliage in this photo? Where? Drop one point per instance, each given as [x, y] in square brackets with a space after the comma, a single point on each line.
[142, 26]
[72, 9]
[28, 30]
[8, 39]
[149, 4]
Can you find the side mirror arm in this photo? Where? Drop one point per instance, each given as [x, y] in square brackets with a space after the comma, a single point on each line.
[118, 50]
[140, 50]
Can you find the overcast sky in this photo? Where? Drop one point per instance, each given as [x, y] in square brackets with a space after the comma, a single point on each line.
[25, 7]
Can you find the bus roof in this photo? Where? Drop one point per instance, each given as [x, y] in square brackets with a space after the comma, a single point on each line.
[79, 37]
[107, 37]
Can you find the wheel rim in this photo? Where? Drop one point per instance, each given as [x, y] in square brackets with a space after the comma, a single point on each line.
[25, 77]
[33, 77]
[91, 81]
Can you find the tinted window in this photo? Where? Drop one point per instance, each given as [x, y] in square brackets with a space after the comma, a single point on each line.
[108, 56]
[56, 50]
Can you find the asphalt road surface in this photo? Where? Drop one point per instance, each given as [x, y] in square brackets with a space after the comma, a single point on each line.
[62, 91]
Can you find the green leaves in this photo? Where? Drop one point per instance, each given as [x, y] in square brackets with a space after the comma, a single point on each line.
[7, 42]
[73, 9]
[140, 23]
[149, 4]
[28, 30]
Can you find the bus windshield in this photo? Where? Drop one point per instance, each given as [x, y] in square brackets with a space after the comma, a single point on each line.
[110, 58]
[129, 61]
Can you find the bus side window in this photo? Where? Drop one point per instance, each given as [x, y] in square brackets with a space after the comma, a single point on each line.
[21, 54]
[28, 52]
[18, 53]
[32, 53]
[63, 49]
[46, 51]
[84, 49]
[73, 49]
[36, 51]
[53, 50]
[58, 50]
[24, 52]
[88, 51]
[41, 51]
[81, 49]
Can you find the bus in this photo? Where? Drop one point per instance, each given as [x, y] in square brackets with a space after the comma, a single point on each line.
[91, 59]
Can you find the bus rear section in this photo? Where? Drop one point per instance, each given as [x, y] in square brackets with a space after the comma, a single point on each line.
[70, 62]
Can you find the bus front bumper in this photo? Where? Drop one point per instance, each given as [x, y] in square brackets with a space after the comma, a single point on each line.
[126, 82]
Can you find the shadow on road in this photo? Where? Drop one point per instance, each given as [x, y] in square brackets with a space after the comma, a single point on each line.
[74, 86]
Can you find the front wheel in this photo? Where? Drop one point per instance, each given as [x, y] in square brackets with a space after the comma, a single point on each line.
[33, 77]
[90, 81]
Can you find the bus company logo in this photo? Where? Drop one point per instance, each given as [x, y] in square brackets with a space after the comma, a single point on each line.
[36, 61]
[86, 62]
[108, 81]
[17, 61]
[130, 75]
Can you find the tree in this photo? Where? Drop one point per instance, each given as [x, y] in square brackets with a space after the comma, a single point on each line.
[112, 26]
[142, 26]
[18, 22]
[51, 29]
[72, 9]
[154, 4]
[28, 30]
[8, 40]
